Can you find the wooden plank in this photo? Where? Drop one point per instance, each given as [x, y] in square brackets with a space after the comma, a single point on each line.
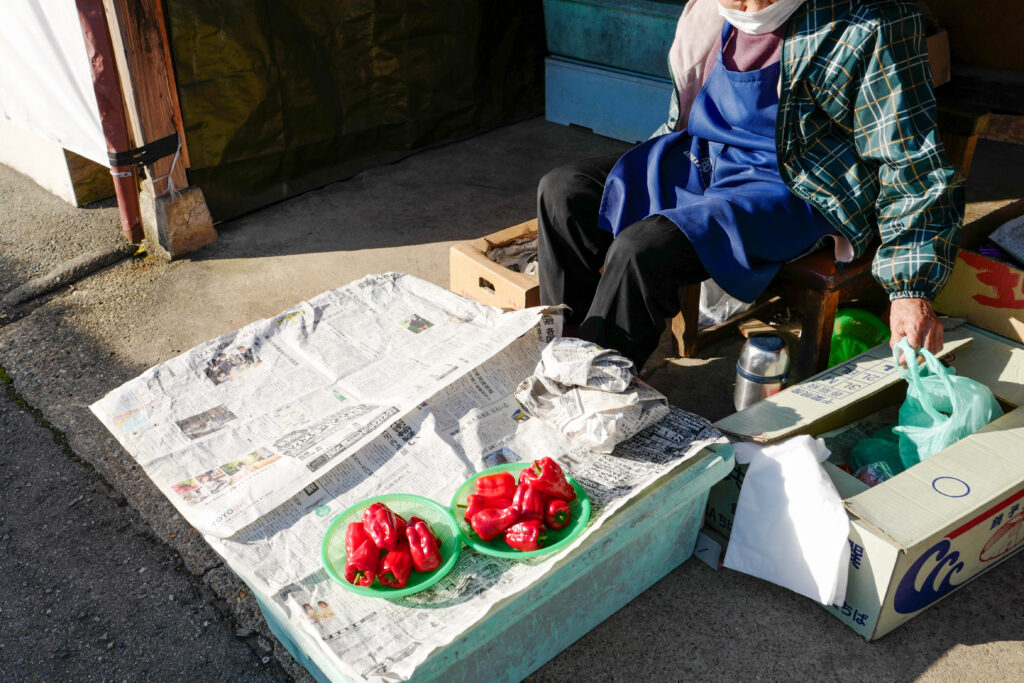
[172, 83]
[138, 35]
[1005, 128]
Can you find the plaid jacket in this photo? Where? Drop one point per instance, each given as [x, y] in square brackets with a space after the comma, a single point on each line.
[856, 137]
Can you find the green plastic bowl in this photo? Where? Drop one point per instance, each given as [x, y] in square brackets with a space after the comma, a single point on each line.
[579, 513]
[332, 549]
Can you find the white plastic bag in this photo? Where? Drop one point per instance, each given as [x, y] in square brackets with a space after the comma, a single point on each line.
[790, 526]
[716, 306]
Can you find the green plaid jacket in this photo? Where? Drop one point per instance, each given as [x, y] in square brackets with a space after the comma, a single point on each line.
[856, 138]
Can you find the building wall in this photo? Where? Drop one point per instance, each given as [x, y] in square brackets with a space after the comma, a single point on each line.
[279, 97]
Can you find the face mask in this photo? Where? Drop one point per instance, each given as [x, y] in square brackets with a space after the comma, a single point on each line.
[765, 21]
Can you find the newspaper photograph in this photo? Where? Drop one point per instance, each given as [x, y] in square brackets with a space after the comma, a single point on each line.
[263, 471]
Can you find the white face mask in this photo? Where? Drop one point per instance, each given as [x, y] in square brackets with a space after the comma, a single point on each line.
[765, 21]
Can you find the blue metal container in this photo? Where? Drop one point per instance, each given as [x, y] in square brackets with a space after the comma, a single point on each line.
[611, 102]
[633, 35]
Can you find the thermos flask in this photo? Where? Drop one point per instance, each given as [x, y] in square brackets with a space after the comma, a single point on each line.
[761, 369]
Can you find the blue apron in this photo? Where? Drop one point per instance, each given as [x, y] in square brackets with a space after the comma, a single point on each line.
[719, 182]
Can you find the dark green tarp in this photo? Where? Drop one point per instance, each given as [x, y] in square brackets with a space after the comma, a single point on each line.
[282, 97]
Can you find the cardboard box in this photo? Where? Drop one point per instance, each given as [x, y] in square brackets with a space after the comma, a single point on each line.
[473, 275]
[986, 293]
[924, 533]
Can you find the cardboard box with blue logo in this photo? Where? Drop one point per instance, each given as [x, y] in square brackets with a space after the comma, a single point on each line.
[928, 531]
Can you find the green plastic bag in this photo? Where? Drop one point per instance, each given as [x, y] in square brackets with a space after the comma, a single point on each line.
[854, 332]
[941, 407]
[882, 447]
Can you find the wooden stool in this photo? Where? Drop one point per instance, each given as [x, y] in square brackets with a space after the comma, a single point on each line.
[814, 285]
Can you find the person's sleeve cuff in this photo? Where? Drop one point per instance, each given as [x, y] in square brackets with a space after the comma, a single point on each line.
[927, 295]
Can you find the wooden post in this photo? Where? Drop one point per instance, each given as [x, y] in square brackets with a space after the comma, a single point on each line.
[174, 215]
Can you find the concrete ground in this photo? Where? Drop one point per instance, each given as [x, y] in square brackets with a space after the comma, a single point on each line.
[80, 519]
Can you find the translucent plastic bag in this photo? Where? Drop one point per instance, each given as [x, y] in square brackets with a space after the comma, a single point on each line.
[940, 409]
[716, 306]
[877, 457]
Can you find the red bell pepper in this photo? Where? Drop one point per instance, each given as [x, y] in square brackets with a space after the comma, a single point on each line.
[526, 536]
[490, 523]
[500, 485]
[414, 519]
[423, 546]
[385, 527]
[361, 556]
[557, 514]
[478, 502]
[529, 501]
[546, 476]
[396, 567]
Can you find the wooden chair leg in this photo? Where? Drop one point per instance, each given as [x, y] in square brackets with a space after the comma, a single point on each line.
[815, 334]
[684, 325]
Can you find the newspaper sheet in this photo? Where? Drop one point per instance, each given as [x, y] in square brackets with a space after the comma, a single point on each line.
[588, 393]
[448, 429]
[235, 427]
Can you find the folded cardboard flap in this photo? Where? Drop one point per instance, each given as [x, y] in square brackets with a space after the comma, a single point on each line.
[507, 236]
[831, 398]
[986, 293]
[997, 363]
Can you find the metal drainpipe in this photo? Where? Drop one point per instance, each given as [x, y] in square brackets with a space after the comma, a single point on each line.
[108, 97]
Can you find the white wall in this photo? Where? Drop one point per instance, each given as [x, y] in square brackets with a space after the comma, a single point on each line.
[45, 77]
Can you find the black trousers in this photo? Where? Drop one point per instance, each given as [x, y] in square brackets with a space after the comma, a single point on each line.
[623, 306]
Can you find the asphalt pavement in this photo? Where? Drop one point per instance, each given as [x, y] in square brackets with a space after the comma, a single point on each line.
[90, 594]
[95, 563]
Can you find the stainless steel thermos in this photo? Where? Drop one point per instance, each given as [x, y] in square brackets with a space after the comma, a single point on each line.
[761, 369]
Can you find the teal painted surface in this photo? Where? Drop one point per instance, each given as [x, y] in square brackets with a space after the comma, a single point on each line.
[640, 544]
[633, 35]
[611, 102]
[280, 631]
[632, 550]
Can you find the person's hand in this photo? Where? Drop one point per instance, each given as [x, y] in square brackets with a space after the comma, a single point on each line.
[915, 320]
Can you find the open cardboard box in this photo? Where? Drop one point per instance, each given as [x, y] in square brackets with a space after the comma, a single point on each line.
[986, 293]
[929, 530]
[475, 276]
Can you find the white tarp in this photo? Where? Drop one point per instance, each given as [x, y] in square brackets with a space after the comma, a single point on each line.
[45, 79]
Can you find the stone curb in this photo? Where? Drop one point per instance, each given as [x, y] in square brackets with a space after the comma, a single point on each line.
[66, 273]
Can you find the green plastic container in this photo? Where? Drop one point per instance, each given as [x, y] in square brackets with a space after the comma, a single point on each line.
[633, 549]
[579, 515]
[854, 332]
[634, 35]
[332, 549]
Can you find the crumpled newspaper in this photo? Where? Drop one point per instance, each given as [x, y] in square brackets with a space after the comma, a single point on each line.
[589, 394]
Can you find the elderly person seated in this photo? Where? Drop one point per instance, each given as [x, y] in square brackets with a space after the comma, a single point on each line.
[795, 124]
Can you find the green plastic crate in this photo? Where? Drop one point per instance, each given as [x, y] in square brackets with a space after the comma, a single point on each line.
[633, 35]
